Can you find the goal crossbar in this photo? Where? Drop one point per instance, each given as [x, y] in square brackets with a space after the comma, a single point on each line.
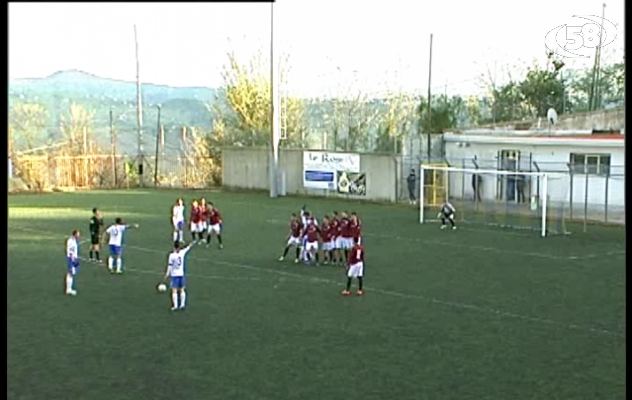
[542, 175]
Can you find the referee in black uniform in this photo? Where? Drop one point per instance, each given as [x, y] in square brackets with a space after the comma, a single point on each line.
[96, 222]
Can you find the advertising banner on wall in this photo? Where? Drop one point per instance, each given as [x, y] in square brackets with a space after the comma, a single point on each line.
[320, 169]
[352, 183]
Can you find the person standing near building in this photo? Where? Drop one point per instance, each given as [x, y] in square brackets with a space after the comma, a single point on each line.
[411, 180]
[476, 186]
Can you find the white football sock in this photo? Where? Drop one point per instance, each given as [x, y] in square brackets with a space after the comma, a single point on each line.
[174, 299]
[68, 282]
[110, 262]
[175, 236]
[183, 298]
[119, 264]
[181, 236]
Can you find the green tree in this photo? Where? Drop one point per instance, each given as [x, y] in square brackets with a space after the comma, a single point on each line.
[395, 123]
[543, 88]
[247, 117]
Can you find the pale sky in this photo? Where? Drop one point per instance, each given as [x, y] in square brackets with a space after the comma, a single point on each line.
[387, 43]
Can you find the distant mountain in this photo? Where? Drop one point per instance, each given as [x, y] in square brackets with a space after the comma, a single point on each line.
[186, 106]
[79, 85]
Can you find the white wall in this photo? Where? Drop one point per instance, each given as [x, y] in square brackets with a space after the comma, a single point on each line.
[555, 151]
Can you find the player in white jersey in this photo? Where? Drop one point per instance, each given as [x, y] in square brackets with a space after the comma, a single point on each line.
[307, 219]
[72, 257]
[116, 232]
[176, 270]
[447, 213]
[177, 220]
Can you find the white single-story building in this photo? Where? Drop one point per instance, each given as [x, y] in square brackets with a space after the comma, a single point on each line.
[602, 156]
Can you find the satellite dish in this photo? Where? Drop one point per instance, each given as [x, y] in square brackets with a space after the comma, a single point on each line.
[551, 115]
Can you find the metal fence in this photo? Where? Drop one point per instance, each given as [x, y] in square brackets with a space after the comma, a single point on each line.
[44, 172]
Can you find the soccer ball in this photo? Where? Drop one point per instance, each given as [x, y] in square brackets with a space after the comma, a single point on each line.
[162, 288]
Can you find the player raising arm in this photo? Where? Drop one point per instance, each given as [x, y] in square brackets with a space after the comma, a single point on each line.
[96, 222]
[355, 268]
[294, 238]
[177, 221]
[116, 232]
[72, 258]
[447, 213]
[312, 234]
[176, 270]
[215, 225]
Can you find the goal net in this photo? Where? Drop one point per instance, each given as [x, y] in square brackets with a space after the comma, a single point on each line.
[507, 199]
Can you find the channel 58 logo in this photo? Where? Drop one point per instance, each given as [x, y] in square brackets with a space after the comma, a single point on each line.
[580, 40]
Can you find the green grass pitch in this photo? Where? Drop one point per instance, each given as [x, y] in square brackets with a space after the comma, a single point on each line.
[468, 314]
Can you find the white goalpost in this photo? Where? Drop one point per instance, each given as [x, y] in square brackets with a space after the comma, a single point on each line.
[511, 199]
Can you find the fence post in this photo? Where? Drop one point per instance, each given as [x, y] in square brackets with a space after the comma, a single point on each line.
[570, 168]
[85, 155]
[586, 199]
[606, 197]
[186, 162]
[462, 191]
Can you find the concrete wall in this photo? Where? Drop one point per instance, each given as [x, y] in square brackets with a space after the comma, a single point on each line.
[247, 168]
[602, 120]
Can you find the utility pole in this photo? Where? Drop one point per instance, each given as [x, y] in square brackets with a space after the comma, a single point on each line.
[157, 147]
[592, 102]
[563, 93]
[113, 136]
[429, 95]
[139, 108]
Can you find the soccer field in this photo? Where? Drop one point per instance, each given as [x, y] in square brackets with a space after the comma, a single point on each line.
[474, 313]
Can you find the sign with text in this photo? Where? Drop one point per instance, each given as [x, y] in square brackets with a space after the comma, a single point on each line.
[320, 169]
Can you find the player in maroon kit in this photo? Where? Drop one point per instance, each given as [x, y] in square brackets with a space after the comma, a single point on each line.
[294, 238]
[203, 218]
[345, 234]
[215, 225]
[194, 220]
[335, 227]
[327, 235]
[356, 227]
[355, 268]
[312, 233]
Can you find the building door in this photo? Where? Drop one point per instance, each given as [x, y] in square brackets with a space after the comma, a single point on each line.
[506, 185]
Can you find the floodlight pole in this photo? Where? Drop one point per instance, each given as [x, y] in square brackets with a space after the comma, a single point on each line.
[139, 110]
[157, 148]
[275, 134]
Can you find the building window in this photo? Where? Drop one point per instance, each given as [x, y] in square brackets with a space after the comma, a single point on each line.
[592, 164]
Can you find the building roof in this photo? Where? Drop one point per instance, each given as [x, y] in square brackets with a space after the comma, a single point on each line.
[554, 138]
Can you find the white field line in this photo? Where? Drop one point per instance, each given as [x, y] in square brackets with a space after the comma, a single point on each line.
[451, 304]
[197, 276]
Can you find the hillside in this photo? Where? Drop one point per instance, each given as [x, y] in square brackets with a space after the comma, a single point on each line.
[180, 106]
